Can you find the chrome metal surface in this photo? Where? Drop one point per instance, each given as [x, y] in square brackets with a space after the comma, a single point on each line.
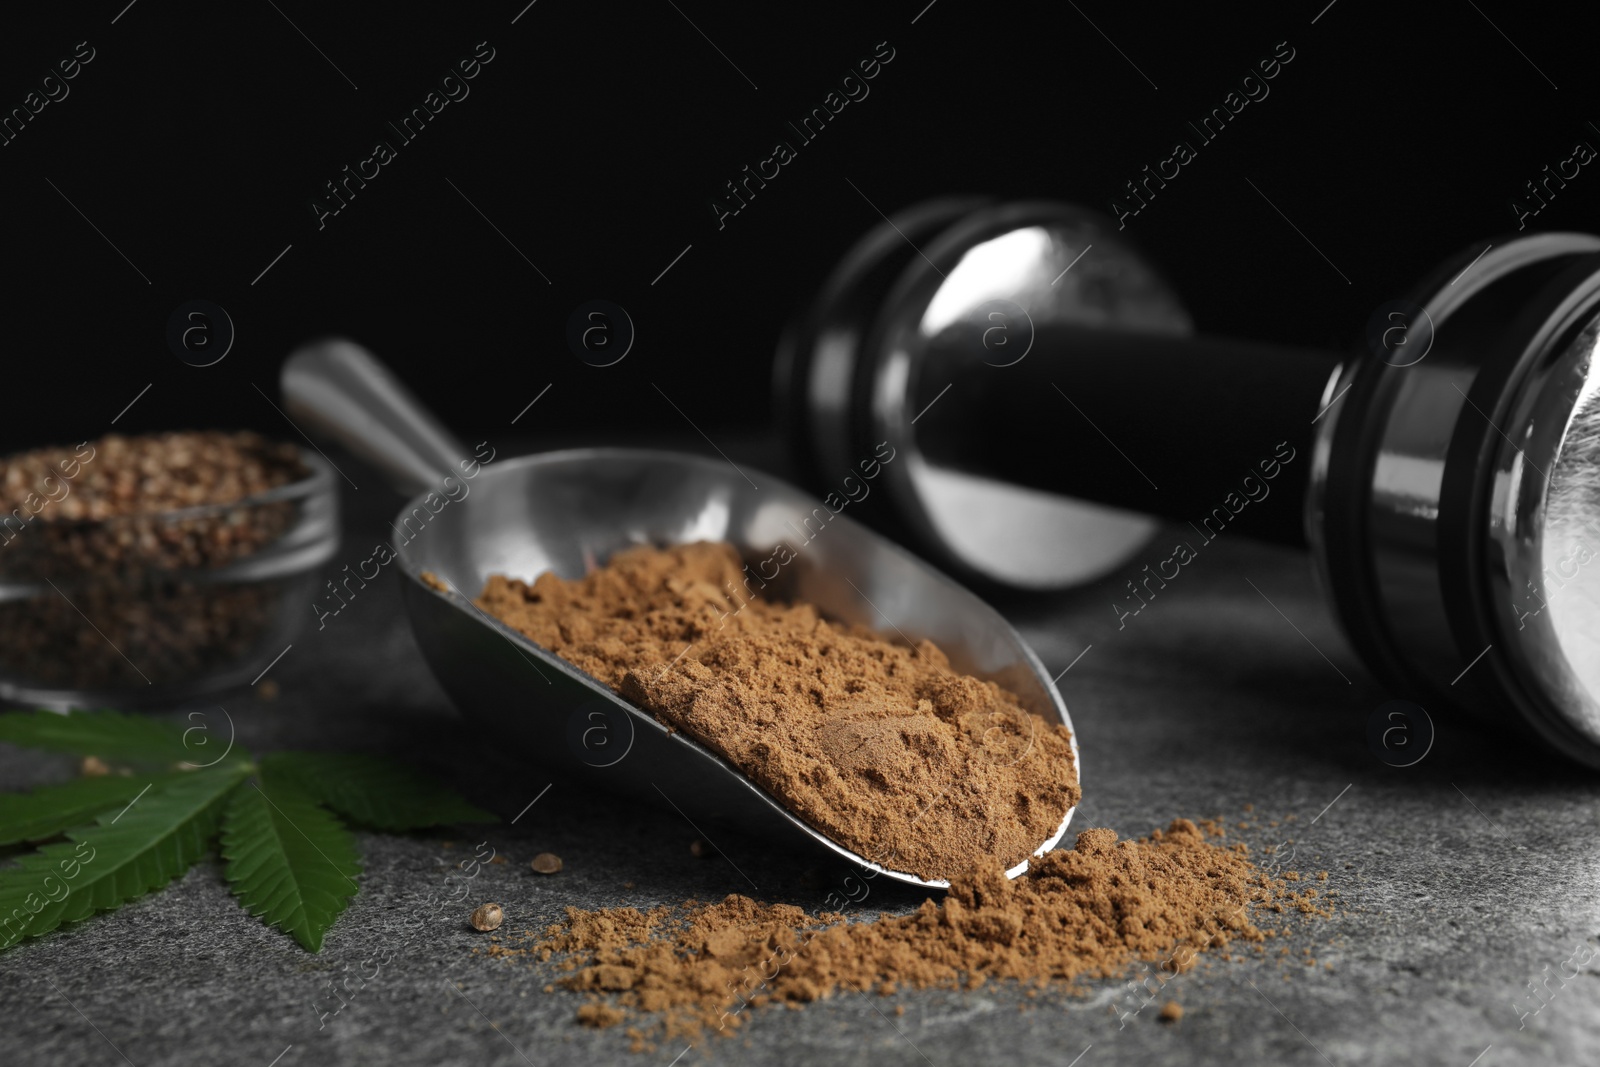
[335, 387]
[1405, 576]
[1031, 255]
[817, 363]
[566, 512]
[1545, 522]
[1410, 413]
[1427, 406]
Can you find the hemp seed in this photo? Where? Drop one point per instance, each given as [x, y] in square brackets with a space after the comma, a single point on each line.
[127, 527]
[546, 863]
[488, 917]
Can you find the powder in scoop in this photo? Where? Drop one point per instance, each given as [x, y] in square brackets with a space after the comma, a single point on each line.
[882, 747]
[1086, 912]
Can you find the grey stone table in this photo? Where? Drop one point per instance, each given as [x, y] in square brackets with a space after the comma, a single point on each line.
[1461, 880]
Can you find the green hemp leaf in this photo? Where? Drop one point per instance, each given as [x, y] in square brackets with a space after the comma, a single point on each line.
[290, 860]
[106, 734]
[291, 863]
[53, 809]
[372, 791]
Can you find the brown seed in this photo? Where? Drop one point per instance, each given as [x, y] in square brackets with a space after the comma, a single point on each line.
[698, 847]
[94, 767]
[1171, 1012]
[126, 519]
[268, 690]
[546, 863]
[488, 917]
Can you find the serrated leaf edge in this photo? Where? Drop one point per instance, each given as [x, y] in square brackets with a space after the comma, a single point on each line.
[148, 868]
[283, 900]
[363, 806]
[50, 819]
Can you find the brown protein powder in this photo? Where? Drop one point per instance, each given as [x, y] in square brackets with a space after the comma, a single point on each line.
[1088, 912]
[882, 747]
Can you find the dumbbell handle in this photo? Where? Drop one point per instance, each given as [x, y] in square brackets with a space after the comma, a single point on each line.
[1173, 426]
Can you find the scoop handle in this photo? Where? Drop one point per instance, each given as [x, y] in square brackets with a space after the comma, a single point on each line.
[337, 389]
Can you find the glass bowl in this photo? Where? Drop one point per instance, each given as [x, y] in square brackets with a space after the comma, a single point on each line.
[162, 607]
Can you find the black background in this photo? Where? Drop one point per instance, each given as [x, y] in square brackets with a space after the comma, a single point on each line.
[596, 137]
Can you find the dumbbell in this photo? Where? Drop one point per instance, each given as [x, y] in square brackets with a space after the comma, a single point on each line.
[1045, 399]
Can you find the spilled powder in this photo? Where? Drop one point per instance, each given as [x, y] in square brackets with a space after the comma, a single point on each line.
[882, 747]
[1088, 912]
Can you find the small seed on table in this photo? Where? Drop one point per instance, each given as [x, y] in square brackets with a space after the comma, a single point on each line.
[546, 863]
[488, 917]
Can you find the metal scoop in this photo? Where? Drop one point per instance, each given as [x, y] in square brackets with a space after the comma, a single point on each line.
[569, 511]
